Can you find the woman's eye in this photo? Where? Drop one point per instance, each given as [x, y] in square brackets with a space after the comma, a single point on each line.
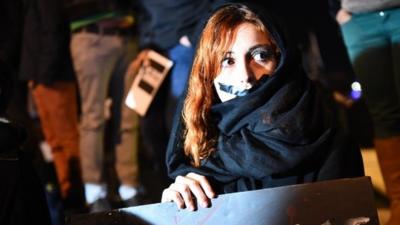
[261, 56]
[227, 62]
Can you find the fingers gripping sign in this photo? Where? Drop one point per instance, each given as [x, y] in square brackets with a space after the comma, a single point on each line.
[187, 190]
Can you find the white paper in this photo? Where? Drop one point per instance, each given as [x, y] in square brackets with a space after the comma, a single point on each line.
[150, 76]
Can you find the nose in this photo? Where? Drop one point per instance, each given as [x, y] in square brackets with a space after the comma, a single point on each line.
[245, 73]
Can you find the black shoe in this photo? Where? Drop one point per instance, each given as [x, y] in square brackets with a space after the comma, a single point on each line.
[100, 205]
[139, 199]
[134, 201]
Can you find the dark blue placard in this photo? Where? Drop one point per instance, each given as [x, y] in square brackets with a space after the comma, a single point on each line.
[337, 202]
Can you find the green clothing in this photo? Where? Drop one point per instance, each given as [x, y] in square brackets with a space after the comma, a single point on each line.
[93, 19]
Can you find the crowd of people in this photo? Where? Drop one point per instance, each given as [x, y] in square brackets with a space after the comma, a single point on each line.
[252, 101]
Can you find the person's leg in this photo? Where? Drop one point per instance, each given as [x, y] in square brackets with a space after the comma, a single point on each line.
[155, 126]
[370, 53]
[394, 27]
[44, 97]
[127, 164]
[374, 61]
[57, 107]
[388, 149]
[388, 154]
[94, 58]
[127, 137]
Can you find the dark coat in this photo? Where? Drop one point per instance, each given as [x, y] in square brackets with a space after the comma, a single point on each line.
[163, 22]
[10, 38]
[284, 132]
[45, 54]
[79, 9]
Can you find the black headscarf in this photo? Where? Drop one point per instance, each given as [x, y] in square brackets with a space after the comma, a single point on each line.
[280, 133]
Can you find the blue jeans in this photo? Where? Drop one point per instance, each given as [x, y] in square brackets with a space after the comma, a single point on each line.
[373, 44]
[182, 57]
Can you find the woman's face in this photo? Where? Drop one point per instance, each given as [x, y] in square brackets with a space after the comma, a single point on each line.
[251, 56]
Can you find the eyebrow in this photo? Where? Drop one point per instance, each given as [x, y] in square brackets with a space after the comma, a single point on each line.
[229, 53]
[267, 46]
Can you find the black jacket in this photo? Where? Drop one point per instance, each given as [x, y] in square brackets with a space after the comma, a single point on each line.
[10, 38]
[284, 132]
[78, 9]
[162, 22]
[45, 56]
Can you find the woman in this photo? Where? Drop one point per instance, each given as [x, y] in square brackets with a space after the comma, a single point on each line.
[251, 119]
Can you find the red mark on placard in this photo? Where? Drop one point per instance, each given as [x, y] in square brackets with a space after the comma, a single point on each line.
[177, 219]
[208, 216]
[291, 212]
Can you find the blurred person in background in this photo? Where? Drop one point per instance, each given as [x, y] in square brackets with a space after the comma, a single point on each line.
[46, 64]
[371, 32]
[102, 46]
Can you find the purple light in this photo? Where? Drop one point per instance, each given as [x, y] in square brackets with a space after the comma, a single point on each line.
[355, 95]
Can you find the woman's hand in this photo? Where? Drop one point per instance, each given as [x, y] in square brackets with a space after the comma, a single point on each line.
[186, 190]
[184, 40]
[137, 62]
[343, 16]
[357, 221]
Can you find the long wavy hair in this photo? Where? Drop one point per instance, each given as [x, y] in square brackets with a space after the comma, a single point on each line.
[218, 35]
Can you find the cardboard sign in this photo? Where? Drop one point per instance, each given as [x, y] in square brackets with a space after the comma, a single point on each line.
[150, 76]
[336, 202]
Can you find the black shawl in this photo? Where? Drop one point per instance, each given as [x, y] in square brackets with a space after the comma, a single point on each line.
[281, 133]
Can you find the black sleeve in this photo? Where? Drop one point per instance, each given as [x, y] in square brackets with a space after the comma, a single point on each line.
[55, 60]
[334, 7]
[11, 23]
